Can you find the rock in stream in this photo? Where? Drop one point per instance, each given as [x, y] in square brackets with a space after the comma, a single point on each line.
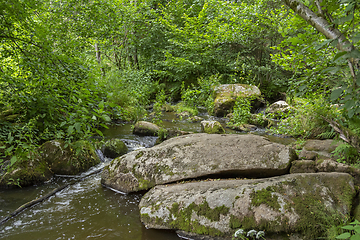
[306, 204]
[198, 155]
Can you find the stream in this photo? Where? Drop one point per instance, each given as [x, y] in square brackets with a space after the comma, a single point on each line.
[87, 210]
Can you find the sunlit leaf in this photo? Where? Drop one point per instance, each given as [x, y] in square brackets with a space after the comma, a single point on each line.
[106, 118]
[355, 237]
[99, 132]
[13, 160]
[344, 236]
[348, 227]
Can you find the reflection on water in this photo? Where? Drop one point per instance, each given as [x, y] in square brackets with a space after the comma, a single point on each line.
[84, 210]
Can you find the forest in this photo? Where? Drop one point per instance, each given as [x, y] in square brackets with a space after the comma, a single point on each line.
[71, 67]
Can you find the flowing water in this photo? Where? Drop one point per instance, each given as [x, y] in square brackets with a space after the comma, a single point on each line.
[86, 210]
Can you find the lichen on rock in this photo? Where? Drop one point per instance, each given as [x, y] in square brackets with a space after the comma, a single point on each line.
[212, 127]
[197, 155]
[307, 204]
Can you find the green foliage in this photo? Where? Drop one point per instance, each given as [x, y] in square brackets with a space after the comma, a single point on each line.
[181, 107]
[352, 231]
[316, 62]
[199, 95]
[128, 92]
[207, 37]
[306, 120]
[241, 112]
[345, 153]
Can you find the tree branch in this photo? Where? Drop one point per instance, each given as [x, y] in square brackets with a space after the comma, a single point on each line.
[321, 24]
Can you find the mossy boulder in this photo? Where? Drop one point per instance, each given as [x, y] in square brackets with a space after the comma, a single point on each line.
[278, 109]
[195, 119]
[308, 155]
[306, 204]
[184, 114]
[114, 148]
[226, 94]
[211, 127]
[198, 155]
[144, 128]
[66, 159]
[26, 171]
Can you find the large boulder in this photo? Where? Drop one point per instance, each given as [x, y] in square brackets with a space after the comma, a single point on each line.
[26, 171]
[114, 148]
[144, 128]
[65, 159]
[304, 204]
[226, 94]
[198, 155]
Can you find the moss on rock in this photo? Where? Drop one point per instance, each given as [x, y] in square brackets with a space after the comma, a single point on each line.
[306, 204]
[69, 159]
[265, 196]
[26, 171]
[114, 148]
[212, 127]
[183, 218]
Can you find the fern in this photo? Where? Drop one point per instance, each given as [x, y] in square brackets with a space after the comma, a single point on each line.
[345, 153]
[327, 135]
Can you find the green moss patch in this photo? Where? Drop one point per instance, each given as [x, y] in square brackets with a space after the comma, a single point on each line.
[183, 218]
[264, 196]
[139, 155]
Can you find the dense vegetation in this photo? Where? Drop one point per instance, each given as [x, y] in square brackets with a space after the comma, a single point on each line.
[70, 67]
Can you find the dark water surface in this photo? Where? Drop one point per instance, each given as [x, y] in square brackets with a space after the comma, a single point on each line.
[86, 210]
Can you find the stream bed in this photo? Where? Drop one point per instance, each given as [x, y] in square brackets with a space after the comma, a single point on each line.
[86, 209]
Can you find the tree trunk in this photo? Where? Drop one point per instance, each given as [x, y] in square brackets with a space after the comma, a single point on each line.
[98, 57]
[345, 134]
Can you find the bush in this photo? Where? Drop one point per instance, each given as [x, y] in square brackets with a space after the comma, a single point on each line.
[200, 95]
[241, 112]
[130, 91]
[307, 119]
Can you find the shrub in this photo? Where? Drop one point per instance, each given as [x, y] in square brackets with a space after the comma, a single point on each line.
[307, 119]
